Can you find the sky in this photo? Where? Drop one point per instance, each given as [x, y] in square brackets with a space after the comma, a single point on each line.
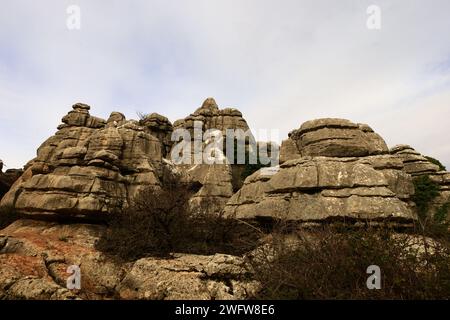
[280, 63]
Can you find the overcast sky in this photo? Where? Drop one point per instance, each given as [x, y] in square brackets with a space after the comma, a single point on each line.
[280, 62]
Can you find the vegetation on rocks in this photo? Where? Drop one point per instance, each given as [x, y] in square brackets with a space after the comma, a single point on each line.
[160, 222]
[329, 264]
[436, 162]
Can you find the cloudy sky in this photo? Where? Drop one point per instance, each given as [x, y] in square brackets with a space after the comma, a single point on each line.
[280, 62]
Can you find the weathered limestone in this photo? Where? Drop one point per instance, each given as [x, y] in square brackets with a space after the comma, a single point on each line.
[217, 179]
[322, 188]
[160, 127]
[213, 118]
[88, 167]
[332, 138]
[414, 163]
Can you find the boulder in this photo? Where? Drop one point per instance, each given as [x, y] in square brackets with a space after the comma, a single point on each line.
[332, 137]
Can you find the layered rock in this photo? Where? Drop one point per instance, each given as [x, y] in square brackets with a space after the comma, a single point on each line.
[414, 163]
[89, 167]
[417, 165]
[213, 118]
[331, 137]
[217, 179]
[160, 127]
[312, 189]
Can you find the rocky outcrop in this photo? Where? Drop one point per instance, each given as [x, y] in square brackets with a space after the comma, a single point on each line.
[332, 169]
[213, 118]
[414, 163]
[319, 189]
[417, 165]
[91, 167]
[161, 128]
[31, 268]
[88, 168]
[217, 180]
[331, 137]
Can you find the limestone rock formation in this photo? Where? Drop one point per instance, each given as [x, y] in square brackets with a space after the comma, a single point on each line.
[88, 167]
[315, 189]
[217, 180]
[416, 165]
[331, 137]
[161, 128]
[331, 169]
[213, 118]
[31, 268]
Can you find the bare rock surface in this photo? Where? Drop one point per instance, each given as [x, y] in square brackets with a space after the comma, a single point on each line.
[332, 137]
[88, 167]
[414, 163]
[322, 188]
[35, 255]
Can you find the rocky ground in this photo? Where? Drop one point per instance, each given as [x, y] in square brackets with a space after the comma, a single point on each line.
[35, 255]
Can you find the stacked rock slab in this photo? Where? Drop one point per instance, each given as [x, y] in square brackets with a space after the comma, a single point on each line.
[216, 179]
[339, 171]
[414, 163]
[89, 167]
[417, 165]
[332, 137]
[160, 127]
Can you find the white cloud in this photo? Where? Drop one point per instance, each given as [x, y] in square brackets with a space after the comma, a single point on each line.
[280, 63]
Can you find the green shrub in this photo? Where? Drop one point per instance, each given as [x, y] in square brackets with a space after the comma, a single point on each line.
[436, 162]
[441, 213]
[425, 191]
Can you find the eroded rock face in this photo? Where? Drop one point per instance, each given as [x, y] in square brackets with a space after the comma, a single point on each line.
[322, 188]
[88, 167]
[35, 255]
[332, 138]
[414, 163]
[217, 180]
[417, 165]
[161, 128]
[213, 118]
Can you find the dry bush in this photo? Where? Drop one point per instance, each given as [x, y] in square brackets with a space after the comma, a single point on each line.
[332, 264]
[159, 222]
